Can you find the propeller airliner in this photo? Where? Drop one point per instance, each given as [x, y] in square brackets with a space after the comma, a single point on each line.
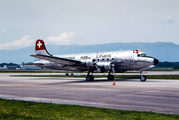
[111, 62]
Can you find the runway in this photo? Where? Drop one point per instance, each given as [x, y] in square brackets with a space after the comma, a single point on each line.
[161, 96]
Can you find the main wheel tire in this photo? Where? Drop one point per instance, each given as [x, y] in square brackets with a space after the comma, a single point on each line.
[110, 77]
[89, 78]
[143, 78]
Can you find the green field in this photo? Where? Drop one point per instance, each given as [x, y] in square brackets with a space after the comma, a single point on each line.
[21, 110]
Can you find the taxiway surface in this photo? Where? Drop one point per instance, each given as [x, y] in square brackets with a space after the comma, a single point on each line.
[160, 96]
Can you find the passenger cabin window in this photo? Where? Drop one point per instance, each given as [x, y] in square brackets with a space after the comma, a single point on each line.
[138, 55]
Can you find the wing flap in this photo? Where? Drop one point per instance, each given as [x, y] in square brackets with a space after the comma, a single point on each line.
[57, 59]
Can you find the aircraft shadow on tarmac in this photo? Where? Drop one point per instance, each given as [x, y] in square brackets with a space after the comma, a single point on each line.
[75, 80]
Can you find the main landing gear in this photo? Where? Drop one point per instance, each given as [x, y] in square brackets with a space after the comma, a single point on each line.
[110, 77]
[89, 77]
[143, 77]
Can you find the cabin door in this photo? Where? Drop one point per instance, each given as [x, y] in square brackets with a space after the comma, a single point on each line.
[132, 59]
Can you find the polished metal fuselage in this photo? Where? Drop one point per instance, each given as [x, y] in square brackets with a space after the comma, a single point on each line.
[121, 60]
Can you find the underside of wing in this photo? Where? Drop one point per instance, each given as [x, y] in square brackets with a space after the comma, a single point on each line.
[57, 60]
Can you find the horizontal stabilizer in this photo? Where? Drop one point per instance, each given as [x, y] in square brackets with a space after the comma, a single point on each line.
[32, 64]
[57, 60]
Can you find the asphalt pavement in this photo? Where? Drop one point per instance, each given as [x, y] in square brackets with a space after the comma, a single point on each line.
[161, 96]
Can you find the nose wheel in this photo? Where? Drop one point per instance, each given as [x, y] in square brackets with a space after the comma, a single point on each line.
[142, 77]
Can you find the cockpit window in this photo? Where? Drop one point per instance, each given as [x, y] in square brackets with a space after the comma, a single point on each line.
[141, 55]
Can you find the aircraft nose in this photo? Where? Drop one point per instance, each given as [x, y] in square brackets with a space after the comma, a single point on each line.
[156, 61]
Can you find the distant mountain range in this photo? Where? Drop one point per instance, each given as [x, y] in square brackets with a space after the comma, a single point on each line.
[160, 50]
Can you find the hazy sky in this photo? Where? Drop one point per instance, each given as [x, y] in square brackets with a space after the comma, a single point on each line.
[83, 22]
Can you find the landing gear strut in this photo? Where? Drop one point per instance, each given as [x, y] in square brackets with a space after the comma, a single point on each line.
[89, 77]
[143, 77]
[110, 77]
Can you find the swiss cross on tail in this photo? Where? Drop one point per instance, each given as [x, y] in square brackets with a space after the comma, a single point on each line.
[39, 45]
[40, 48]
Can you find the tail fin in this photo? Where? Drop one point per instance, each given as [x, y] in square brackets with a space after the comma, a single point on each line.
[40, 48]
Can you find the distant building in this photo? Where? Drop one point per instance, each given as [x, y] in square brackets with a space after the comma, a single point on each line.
[9, 66]
[13, 66]
[17, 66]
[4, 67]
[30, 67]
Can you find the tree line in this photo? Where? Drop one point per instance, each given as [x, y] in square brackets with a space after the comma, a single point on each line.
[174, 65]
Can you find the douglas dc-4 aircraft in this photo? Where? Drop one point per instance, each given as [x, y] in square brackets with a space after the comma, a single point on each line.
[111, 62]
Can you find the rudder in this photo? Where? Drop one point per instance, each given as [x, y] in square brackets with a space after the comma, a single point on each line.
[40, 48]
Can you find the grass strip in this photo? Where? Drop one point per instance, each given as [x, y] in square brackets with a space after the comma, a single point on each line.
[29, 71]
[21, 110]
[175, 77]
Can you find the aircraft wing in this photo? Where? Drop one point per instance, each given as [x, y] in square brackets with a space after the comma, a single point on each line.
[58, 60]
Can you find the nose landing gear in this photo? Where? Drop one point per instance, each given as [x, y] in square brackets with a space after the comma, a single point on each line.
[143, 77]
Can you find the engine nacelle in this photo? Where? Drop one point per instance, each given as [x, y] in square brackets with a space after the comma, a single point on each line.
[90, 64]
[105, 65]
